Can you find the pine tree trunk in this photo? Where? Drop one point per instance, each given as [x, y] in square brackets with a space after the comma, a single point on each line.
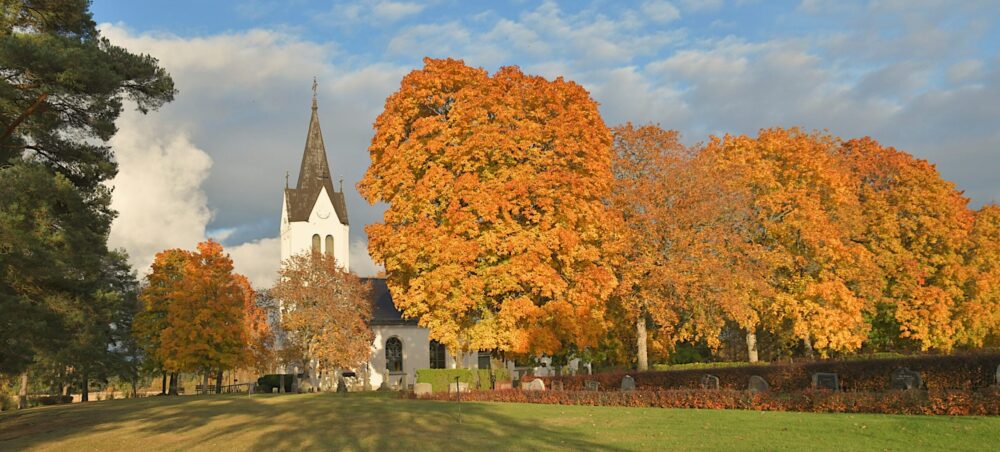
[22, 394]
[640, 342]
[85, 392]
[752, 346]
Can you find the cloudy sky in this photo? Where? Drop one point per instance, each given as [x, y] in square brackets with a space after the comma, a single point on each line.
[923, 76]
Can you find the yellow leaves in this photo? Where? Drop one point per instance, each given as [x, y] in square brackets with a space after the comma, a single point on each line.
[494, 186]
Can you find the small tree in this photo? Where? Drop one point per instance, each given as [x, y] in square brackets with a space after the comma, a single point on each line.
[325, 313]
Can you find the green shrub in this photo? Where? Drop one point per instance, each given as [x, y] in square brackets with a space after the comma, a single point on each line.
[476, 378]
[268, 382]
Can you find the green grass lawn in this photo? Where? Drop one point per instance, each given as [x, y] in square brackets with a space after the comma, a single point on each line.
[381, 421]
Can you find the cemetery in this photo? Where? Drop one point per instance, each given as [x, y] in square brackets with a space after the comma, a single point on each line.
[942, 385]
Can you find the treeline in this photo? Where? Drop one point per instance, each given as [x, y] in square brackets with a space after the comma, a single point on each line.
[824, 244]
[67, 301]
[519, 222]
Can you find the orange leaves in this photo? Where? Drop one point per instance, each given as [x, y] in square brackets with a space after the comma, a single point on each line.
[802, 219]
[196, 310]
[325, 311]
[494, 186]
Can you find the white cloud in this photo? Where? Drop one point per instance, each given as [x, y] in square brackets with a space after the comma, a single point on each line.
[393, 11]
[157, 191]
[258, 260]
[661, 11]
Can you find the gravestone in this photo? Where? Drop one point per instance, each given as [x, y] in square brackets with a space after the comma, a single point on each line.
[458, 387]
[341, 385]
[628, 383]
[825, 380]
[758, 384]
[422, 389]
[534, 385]
[904, 378]
[709, 382]
[557, 385]
[592, 385]
[504, 385]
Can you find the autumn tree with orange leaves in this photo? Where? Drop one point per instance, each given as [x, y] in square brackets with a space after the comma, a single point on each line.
[325, 311]
[980, 314]
[195, 312]
[806, 219]
[917, 227]
[496, 231]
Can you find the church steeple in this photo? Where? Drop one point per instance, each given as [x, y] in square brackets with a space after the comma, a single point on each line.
[314, 174]
[315, 170]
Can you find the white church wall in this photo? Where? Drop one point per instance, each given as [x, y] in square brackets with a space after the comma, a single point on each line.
[416, 354]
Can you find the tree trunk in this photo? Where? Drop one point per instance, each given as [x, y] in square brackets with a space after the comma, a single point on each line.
[173, 383]
[204, 382]
[163, 385]
[752, 346]
[85, 390]
[218, 382]
[22, 394]
[640, 342]
[281, 382]
[135, 389]
[809, 346]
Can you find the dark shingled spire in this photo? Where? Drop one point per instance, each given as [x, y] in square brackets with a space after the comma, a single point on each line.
[314, 175]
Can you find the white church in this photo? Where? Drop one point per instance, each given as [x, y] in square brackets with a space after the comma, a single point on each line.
[314, 217]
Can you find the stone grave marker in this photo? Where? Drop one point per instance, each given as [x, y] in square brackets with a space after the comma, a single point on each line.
[825, 380]
[709, 382]
[592, 385]
[758, 384]
[461, 387]
[904, 378]
[534, 385]
[628, 383]
[422, 389]
[557, 385]
[502, 385]
[341, 385]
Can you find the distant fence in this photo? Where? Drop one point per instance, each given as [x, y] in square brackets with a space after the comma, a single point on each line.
[240, 388]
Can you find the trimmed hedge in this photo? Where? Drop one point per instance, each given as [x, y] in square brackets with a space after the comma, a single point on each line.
[936, 401]
[441, 378]
[964, 372]
[712, 365]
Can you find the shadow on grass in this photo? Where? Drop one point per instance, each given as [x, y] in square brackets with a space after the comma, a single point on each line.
[329, 421]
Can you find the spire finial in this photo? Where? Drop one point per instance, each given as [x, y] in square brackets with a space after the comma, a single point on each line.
[341, 184]
[286, 179]
[315, 85]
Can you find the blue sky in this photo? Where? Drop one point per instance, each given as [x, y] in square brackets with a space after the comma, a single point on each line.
[921, 75]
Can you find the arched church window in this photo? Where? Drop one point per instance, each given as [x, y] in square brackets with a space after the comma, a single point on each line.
[329, 245]
[315, 247]
[437, 355]
[394, 354]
